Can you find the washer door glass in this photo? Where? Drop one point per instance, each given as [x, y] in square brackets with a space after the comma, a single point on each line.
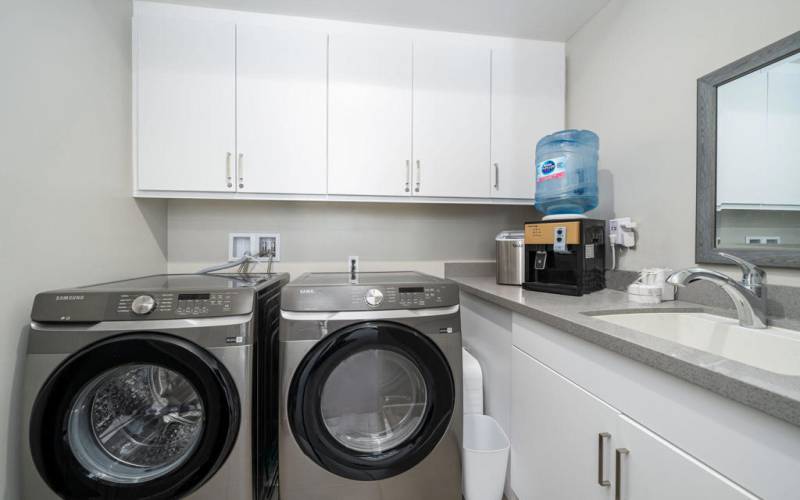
[135, 423]
[374, 400]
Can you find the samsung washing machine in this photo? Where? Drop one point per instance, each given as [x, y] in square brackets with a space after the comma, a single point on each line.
[371, 388]
[149, 389]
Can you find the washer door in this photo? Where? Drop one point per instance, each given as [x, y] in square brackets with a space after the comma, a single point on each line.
[138, 416]
[371, 401]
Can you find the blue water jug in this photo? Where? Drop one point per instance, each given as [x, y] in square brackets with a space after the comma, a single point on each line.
[566, 172]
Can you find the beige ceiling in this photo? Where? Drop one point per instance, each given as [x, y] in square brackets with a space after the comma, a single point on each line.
[538, 19]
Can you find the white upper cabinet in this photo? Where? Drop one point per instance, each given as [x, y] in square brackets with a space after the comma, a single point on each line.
[527, 104]
[451, 120]
[185, 92]
[370, 115]
[231, 104]
[281, 98]
[758, 123]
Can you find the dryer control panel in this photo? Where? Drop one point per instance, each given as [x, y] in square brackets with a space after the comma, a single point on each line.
[372, 297]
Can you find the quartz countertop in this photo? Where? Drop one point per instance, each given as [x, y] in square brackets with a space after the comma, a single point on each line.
[775, 394]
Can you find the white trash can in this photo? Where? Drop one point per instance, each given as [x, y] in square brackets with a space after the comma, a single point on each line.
[486, 449]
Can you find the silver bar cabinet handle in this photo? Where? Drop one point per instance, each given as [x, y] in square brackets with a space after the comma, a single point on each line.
[228, 175]
[408, 176]
[618, 486]
[601, 455]
[497, 176]
[240, 169]
[419, 176]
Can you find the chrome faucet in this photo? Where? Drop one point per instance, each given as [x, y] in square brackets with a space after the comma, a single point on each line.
[749, 295]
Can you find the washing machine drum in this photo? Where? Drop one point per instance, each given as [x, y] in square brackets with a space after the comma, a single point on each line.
[138, 416]
[371, 401]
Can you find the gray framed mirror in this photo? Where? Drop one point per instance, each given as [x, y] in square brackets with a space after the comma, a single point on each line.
[748, 158]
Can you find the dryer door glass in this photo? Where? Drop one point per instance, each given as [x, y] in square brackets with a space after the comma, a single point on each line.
[374, 400]
[135, 423]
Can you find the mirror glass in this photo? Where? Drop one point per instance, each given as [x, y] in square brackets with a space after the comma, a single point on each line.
[758, 159]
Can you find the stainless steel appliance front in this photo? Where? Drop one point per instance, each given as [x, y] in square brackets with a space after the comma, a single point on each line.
[371, 400]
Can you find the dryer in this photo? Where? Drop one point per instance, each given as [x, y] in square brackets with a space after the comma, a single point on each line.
[153, 388]
[371, 388]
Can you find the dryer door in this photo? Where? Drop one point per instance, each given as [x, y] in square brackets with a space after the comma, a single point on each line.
[137, 416]
[371, 401]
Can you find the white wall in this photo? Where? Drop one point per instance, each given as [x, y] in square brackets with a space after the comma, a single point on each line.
[320, 236]
[66, 213]
[631, 77]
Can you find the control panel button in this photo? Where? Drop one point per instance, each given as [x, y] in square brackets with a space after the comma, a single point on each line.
[374, 297]
[143, 304]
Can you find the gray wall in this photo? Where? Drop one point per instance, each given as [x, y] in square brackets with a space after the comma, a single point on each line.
[320, 236]
[65, 178]
[631, 77]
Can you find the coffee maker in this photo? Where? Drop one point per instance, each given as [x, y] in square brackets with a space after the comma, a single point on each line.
[565, 256]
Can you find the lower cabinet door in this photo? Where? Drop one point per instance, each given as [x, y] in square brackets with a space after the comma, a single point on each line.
[557, 452]
[647, 467]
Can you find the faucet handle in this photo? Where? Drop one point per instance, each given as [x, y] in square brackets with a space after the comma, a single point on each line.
[751, 274]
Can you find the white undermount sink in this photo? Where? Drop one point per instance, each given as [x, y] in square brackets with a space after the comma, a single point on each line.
[774, 349]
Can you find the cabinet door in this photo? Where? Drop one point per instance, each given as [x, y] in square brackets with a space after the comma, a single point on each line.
[451, 121]
[527, 104]
[281, 110]
[555, 427]
[370, 115]
[783, 129]
[656, 470]
[185, 104]
[741, 136]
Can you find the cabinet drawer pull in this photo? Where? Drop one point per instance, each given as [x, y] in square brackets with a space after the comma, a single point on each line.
[419, 176]
[408, 176]
[497, 176]
[240, 169]
[228, 175]
[618, 486]
[601, 458]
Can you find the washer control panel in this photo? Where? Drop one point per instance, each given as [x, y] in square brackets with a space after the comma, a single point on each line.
[143, 304]
[374, 297]
[175, 305]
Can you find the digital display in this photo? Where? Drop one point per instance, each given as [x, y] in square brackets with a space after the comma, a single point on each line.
[417, 289]
[194, 296]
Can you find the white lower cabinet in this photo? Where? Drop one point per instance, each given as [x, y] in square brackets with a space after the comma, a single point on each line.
[566, 444]
[555, 429]
[650, 468]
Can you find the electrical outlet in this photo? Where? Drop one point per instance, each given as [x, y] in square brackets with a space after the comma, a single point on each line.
[621, 232]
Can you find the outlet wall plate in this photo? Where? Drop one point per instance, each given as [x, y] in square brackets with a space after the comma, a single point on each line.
[238, 243]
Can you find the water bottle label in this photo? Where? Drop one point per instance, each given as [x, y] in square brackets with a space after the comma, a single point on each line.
[553, 168]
